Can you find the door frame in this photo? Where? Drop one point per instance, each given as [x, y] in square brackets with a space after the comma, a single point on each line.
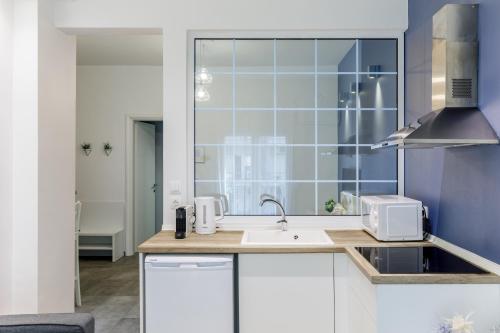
[130, 119]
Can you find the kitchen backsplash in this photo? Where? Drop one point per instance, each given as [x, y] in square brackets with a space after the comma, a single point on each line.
[461, 186]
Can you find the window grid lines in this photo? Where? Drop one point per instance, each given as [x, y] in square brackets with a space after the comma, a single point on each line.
[297, 73]
[280, 145]
[325, 181]
[275, 116]
[312, 145]
[280, 179]
[233, 152]
[316, 199]
[358, 102]
[278, 109]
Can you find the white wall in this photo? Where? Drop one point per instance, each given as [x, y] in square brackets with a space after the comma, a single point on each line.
[105, 95]
[37, 219]
[179, 18]
[25, 158]
[56, 164]
[6, 26]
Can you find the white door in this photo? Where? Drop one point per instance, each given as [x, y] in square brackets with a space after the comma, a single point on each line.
[144, 181]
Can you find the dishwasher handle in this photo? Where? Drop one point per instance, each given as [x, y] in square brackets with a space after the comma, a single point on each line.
[189, 264]
[182, 267]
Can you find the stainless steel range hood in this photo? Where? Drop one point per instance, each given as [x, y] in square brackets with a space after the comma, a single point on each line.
[456, 119]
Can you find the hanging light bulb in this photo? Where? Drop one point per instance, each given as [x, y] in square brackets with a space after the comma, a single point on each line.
[201, 94]
[203, 76]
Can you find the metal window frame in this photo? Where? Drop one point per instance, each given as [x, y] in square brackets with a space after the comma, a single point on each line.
[237, 35]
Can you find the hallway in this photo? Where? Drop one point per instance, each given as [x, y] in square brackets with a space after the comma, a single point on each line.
[110, 292]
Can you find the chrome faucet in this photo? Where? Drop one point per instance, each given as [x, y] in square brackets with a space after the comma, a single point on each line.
[268, 198]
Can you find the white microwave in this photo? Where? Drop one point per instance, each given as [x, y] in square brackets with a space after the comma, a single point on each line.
[392, 217]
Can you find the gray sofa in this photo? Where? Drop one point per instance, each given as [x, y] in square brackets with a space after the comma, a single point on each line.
[48, 323]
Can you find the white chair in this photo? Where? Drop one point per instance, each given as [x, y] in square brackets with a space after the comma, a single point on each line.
[78, 213]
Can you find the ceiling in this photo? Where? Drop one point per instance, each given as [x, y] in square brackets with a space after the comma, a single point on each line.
[115, 49]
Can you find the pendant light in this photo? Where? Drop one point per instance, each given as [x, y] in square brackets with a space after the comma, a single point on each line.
[203, 76]
[201, 94]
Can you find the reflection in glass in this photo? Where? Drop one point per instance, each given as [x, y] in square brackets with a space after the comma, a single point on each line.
[377, 188]
[256, 125]
[336, 55]
[337, 127]
[220, 92]
[254, 55]
[254, 91]
[250, 162]
[338, 192]
[295, 91]
[209, 163]
[214, 55]
[203, 76]
[375, 125]
[295, 118]
[297, 198]
[295, 55]
[333, 91]
[201, 93]
[209, 188]
[208, 131]
[337, 163]
[300, 163]
[378, 93]
[381, 52]
[297, 127]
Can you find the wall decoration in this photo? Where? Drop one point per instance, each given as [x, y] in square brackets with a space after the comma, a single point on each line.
[86, 148]
[108, 148]
[199, 155]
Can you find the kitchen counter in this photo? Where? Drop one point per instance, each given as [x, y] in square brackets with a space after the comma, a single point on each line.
[230, 242]
[345, 241]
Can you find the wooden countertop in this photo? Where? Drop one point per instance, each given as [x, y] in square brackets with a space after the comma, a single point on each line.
[345, 241]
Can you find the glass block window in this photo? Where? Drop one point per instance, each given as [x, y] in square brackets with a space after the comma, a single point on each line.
[294, 118]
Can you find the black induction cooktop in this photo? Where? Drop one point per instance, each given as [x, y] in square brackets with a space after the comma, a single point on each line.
[417, 260]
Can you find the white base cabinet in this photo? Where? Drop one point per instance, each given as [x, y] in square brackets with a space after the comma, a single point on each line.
[355, 298]
[411, 308]
[286, 293]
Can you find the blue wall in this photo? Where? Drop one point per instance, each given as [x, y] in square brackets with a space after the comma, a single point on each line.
[460, 185]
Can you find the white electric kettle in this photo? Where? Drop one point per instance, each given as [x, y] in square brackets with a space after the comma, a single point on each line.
[206, 220]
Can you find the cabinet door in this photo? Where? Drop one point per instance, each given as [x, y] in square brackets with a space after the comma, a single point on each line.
[286, 293]
[354, 298]
[360, 320]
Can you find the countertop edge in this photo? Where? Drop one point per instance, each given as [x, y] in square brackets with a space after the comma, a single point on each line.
[230, 242]
[378, 279]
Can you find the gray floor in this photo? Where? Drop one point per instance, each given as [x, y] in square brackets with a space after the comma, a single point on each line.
[110, 291]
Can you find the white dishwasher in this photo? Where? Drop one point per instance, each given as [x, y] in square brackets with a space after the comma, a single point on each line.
[189, 294]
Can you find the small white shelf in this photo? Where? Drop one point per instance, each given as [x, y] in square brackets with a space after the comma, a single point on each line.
[103, 239]
[96, 247]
